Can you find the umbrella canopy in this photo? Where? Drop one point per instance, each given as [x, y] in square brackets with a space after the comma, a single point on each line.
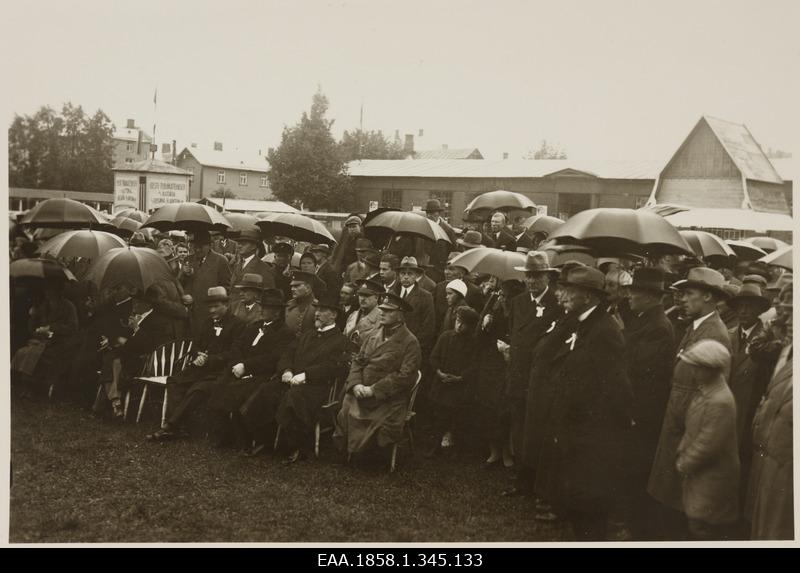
[707, 245]
[665, 209]
[137, 266]
[486, 203]
[560, 254]
[611, 231]
[745, 251]
[62, 213]
[131, 213]
[780, 258]
[187, 217]
[125, 226]
[39, 269]
[407, 223]
[241, 222]
[294, 226]
[45, 233]
[542, 224]
[87, 244]
[491, 261]
[767, 244]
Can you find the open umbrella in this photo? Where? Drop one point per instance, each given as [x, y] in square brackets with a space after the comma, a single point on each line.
[131, 213]
[611, 231]
[767, 244]
[486, 203]
[491, 261]
[294, 226]
[407, 223]
[241, 222]
[780, 258]
[542, 224]
[665, 209]
[85, 243]
[124, 225]
[745, 251]
[560, 254]
[187, 217]
[47, 269]
[137, 266]
[63, 213]
[708, 246]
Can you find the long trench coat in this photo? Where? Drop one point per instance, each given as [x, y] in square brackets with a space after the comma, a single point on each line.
[389, 366]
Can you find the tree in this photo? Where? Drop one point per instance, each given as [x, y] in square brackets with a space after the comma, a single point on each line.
[369, 145]
[546, 151]
[223, 193]
[306, 169]
[69, 151]
[778, 154]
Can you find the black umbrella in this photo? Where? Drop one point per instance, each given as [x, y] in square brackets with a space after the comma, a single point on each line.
[294, 226]
[62, 213]
[139, 267]
[187, 217]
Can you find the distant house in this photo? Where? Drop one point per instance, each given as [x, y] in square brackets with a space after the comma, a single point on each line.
[244, 176]
[130, 145]
[720, 165]
[446, 153]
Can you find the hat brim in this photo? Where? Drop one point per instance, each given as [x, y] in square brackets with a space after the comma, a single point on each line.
[684, 284]
[251, 287]
[547, 270]
[404, 308]
[468, 245]
[367, 292]
[763, 303]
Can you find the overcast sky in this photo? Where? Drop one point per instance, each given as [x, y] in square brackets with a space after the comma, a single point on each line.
[605, 79]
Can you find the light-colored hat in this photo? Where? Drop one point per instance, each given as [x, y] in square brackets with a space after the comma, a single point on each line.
[217, 294]
[410, 263]
[458, 286]
[707, 353]
[537, 262]
[703, 278]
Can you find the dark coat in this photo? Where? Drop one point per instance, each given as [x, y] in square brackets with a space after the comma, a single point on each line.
[503, 240]
[300, 317]
[590, 418]
[525, 241]
[211, 272]
[451, 355]
[216, 346]
[649, 345]
[427, 283]
[475, 299]
[421, 321]
[748, 382]
[331, 278]
[240, 310]
[49, 358]
[526, 325]
[257, 267]
[665, 481]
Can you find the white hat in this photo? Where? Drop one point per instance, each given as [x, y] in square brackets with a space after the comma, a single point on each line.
[459, 286]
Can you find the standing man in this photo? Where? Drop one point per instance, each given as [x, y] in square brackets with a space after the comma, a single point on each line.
[299, 311]
[521, 236]
[226, 247]
[325, 271]
[345, 252]
[502, 238]
[281, 268]
[205, 269]
[650, 352]
[434, 210]
[421, 320]
[388, 272]
[700, 292]
[250, 263]
[531, 314]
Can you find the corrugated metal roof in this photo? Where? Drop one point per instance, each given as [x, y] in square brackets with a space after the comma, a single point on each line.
[447, 153]
[152, 166]
[743, 149]
[504, 168]
[228, 159]
[251, 206]
[126, 134]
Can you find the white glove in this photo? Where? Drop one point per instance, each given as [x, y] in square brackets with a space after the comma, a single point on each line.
[287, 376]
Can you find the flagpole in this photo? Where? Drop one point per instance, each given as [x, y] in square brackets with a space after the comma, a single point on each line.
[155, 100]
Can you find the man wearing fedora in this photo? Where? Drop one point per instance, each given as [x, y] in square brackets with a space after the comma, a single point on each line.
[471, 240]
[299, 311]
[379, 384]
[434, 210]
[248, 306]
[307, 369]
[205, 269]
[650, 354]
[590, 417]
[249, 262]
[364, 321]
[325, 271]
[421, 320]
[531, 313]
[211, 351]
[699, 293]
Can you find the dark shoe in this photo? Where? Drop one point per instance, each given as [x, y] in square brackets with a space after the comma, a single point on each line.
[296, 456]
[119, 411]
[161, 435]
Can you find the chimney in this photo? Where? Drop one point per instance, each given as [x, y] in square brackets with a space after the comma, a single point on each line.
[217, 146]
[505, 155]
[131, 124]
[408, 147]
[193, 145]
[421, 132]
[444, 147]
[397, 135]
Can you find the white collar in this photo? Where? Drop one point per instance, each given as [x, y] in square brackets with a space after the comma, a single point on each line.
[586, 314]
[698, 321]
[251, 305]
[539, 298]
[246, 261]
[145, 315]
[407, 289]
[749, 331]
[391, 286]
[326, 328]
[123, 301]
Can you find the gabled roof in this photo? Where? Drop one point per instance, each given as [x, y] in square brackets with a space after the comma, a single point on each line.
[227, 159]
[126, 134]
[743, 149]
[466, 153]
[152, 166]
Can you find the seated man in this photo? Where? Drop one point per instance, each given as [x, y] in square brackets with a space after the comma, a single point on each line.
[306, 371]
[380, 381]
[366, 319]
[212, 351]
[247, 306]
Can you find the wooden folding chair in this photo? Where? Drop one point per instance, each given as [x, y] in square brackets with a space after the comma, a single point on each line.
[333, 401]
[407, 423]
[165, 361]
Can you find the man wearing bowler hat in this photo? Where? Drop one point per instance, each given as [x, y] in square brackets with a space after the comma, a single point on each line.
[299, 311]
[249, 262]
[362, 323]
[379, 384]
[205, 269]
[699, 292]
[650, 353]
[306, 370]
[248, 306]
[590, 417]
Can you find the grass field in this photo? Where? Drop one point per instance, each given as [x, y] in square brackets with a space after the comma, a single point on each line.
[77, 478]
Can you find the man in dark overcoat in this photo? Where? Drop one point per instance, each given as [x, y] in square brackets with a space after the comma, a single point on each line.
[325, 270]
[421, 321]
[205, 269]
[249, 262]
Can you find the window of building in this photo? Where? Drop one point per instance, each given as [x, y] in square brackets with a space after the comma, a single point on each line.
[128, 160]
[392, 198]
[129, 146]
[264, 181]
[242, 178]
[221, 177]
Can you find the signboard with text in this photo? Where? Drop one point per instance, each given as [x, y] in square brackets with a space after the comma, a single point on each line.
[126, 191]
[159, 190]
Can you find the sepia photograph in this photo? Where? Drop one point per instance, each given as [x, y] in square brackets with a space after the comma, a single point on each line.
[466, 274]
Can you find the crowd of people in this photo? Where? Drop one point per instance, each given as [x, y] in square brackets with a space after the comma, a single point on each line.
[656, 394]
